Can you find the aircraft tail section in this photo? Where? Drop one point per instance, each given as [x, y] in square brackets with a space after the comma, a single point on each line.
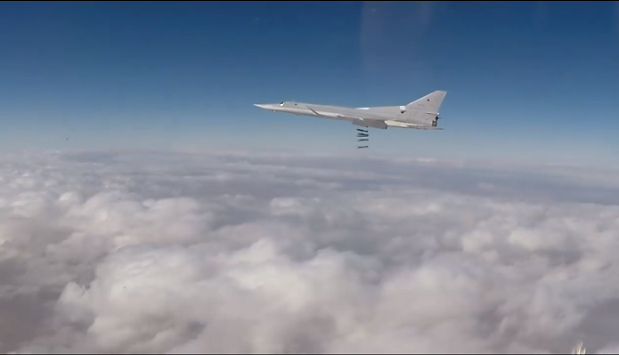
[424, 111]
[430, 103]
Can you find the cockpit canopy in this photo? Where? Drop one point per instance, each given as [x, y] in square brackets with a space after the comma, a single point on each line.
[288, 103]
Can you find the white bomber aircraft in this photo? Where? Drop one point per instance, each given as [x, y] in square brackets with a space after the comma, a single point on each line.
[419, 114]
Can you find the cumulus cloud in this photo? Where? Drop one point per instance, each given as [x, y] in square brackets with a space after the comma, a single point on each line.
[185, 253]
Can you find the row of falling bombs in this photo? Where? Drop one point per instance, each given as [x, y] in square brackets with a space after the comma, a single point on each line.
[363, 136]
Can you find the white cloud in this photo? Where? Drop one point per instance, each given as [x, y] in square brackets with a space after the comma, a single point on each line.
[164, 252]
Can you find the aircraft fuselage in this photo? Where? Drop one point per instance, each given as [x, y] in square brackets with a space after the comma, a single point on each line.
[420, 114]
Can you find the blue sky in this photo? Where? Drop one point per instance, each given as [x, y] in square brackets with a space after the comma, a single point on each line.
[525, 80]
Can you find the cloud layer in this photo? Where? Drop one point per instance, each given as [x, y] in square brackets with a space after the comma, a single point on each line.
[177, 253]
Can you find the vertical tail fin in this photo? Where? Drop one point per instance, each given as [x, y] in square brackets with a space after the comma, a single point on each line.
[424, 111]
[430, 103]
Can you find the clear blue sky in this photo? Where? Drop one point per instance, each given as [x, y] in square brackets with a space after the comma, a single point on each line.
[525, 80]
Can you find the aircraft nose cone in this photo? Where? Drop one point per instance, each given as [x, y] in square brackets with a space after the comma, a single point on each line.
[261, 106]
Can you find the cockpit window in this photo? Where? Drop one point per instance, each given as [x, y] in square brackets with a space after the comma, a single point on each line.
[281, 103]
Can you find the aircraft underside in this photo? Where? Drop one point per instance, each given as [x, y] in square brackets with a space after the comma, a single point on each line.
[371, 123]
[364, 135]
